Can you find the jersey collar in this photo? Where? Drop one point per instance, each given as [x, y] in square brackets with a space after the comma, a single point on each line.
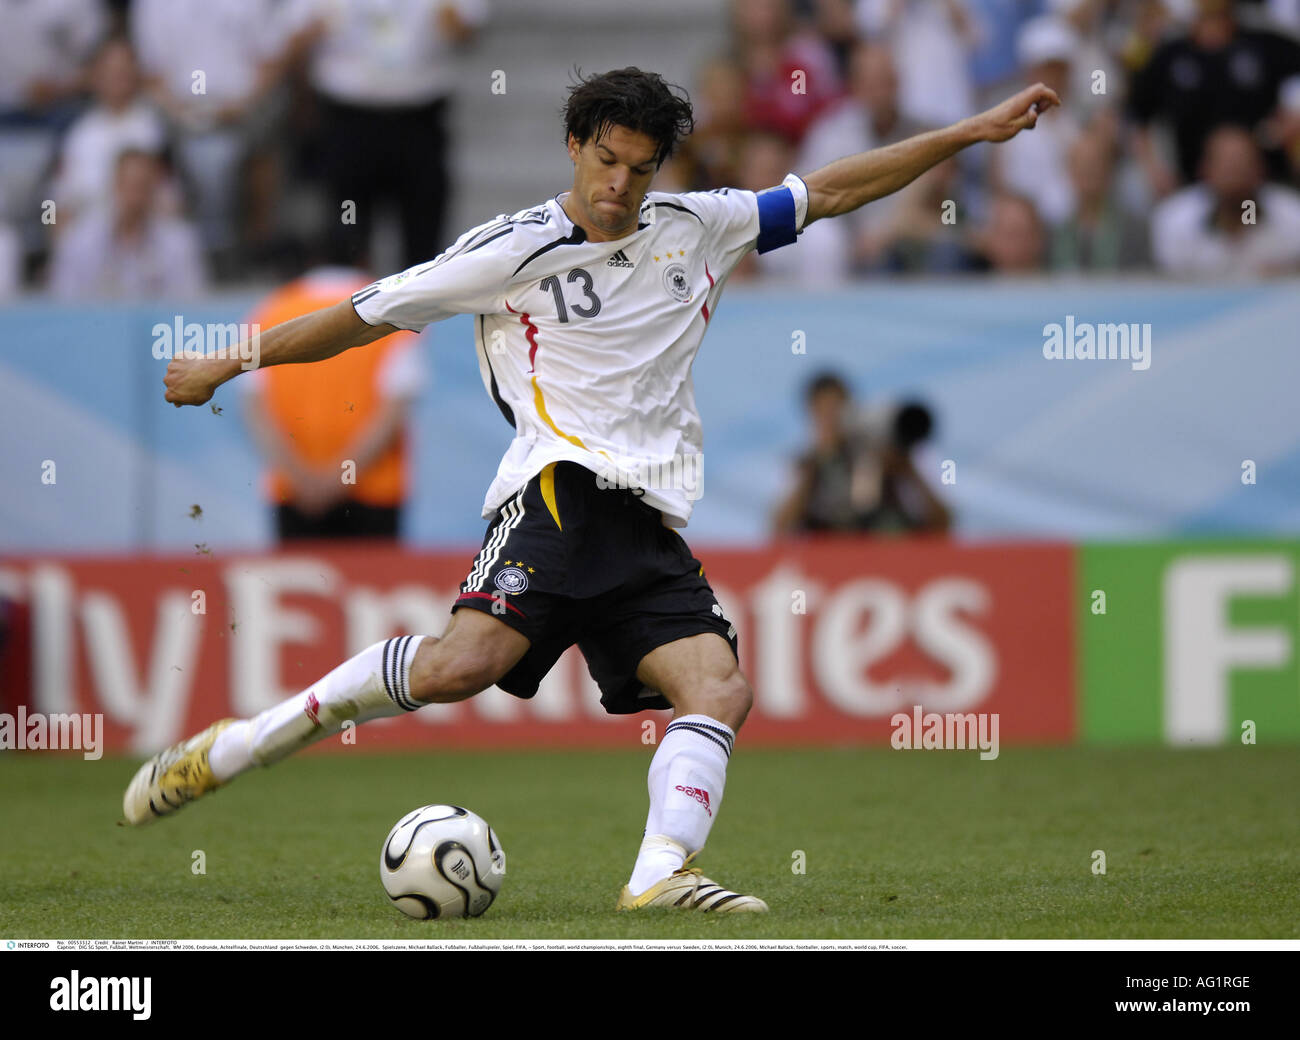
[645, 217]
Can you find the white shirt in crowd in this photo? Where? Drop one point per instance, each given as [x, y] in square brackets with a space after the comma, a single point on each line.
[1036, 165]
[586, 346]
[1094, 71]
[381, 52]
[226, 41]
[90, 261]
[933, 62]
[88, 157]
[44, 40]
[1184, 241]
[844, 129]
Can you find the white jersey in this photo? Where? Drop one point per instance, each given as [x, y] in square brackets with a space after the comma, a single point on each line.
[586, 347]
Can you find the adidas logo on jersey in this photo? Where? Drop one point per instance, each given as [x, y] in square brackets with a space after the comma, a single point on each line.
[619, 259]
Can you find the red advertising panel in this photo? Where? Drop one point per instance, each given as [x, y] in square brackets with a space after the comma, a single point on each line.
[836, 637]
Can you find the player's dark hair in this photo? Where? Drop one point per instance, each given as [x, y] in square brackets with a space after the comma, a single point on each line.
[639, 101]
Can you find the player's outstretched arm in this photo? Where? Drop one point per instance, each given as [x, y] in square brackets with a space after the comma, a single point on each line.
[855, 180]
[312, 337]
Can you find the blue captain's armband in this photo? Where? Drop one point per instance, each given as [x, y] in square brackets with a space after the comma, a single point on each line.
[776, 219]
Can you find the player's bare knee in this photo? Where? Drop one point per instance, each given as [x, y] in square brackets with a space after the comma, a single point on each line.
[725, 698]
[738, 695]
[453, 675]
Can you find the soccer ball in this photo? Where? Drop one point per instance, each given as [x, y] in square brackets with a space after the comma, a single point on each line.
[442, 861]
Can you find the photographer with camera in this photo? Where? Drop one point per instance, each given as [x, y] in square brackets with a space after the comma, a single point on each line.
[859, 475]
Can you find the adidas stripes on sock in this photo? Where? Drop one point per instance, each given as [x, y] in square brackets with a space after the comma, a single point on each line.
[373, 684]
[687, 775]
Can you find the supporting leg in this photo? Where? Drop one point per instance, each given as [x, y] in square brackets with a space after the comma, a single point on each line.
[699, 677]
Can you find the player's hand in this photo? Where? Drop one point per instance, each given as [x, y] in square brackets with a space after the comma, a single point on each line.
[1020, 112]
[192, 380]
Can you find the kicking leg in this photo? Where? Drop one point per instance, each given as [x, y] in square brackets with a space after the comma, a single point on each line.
[388, 678]
[710, 699]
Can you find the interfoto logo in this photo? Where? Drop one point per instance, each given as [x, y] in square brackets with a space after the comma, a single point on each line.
[102, 994]
[674, 473]
[38, 732]
[954, 731]
[1086, 341]
[213, 339]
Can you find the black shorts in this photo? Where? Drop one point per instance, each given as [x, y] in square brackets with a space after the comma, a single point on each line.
[566, 561]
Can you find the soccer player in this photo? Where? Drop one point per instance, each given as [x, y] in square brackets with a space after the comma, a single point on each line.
[589, 309]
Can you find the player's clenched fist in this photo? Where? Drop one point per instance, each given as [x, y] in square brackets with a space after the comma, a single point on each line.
[1017, 113]
[192, 380]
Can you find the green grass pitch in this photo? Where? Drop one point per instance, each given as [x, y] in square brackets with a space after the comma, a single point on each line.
[1198, 843]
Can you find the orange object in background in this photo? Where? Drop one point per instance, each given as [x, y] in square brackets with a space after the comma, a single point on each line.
[321, 408]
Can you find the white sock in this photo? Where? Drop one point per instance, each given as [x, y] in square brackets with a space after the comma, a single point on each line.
[372, 685]
[687, 775]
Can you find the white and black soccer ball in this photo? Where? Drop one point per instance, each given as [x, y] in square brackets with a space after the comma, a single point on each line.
[442, 861]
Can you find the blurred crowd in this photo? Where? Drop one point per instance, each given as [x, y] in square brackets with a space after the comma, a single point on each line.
[1177, 147]
[160, 147]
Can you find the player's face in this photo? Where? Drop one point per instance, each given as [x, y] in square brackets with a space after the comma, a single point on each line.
[610, 178]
